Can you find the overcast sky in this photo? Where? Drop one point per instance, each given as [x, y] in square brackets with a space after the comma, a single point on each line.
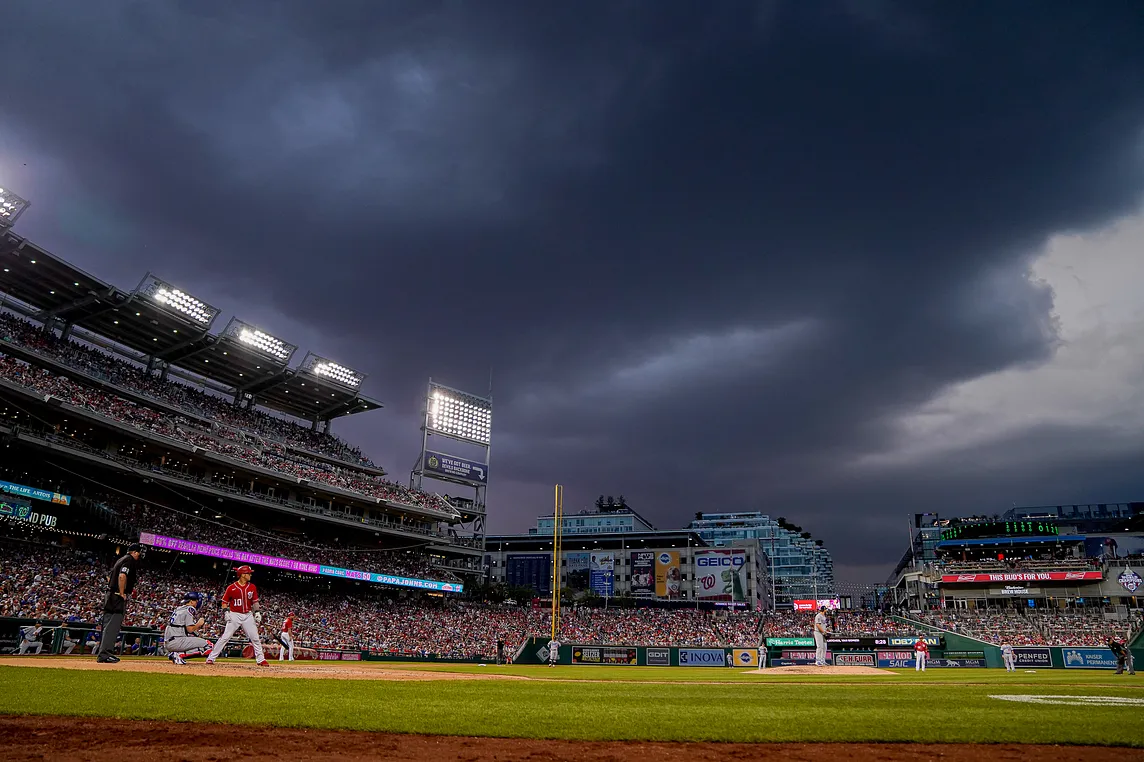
[837, 261]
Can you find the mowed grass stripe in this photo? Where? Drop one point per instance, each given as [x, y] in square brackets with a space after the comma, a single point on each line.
[899, 711]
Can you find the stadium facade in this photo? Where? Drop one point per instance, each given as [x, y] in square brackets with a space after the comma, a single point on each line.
[1039, 557]
[721, 560]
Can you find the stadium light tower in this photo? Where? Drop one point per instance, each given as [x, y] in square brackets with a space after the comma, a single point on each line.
[466, 418]
[11, 207]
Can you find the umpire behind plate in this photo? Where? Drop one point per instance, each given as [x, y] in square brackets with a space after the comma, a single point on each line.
[179, 638]
[120, 584]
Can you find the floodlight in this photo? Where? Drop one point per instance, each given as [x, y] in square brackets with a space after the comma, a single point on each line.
[259, 340]
[459, 415]
[331, 371]
[11, 207]
[177, 301]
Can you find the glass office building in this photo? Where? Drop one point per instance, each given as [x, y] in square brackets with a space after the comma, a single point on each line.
[800, 567]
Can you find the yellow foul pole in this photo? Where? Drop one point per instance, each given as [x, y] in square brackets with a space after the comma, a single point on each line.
[557, 541]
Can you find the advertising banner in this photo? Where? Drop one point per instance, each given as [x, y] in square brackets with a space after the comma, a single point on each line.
[816, 604]
[721, 574]
[21, 490]
[790, 642]
[601, 655]
[745, 657]
[702, 657]
[855, 660]
[667, 577]
[531, 570]
[21, 510]
[964, 654]
[1061, 576]
[799, 655]
[602, 573]
[1130, 580]
[1089, 658]
[659, 657]
[896, 659]
[785, 662]
[576, 569]
[930, 640]
[1033, 657]
[955, 662]
[643, 574]
[440, 464]
[880, 641]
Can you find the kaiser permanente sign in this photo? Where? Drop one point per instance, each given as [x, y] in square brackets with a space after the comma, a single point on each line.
[274, 562]
[1025, 577]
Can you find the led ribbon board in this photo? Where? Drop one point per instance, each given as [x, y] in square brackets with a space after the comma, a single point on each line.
[275, 562]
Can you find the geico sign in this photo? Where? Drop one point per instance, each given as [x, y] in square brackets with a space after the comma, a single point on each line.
[720, 561]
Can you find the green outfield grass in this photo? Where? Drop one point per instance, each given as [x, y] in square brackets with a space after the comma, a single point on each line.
[632, 704]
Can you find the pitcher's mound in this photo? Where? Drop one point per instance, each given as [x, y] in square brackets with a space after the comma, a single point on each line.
[810, 669]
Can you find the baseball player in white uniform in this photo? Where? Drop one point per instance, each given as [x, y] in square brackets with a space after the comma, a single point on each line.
[30, 638]
[67, 644]
[179, 638]
[553, 652]
[820, 633]
[1009, 657]
[240, 602]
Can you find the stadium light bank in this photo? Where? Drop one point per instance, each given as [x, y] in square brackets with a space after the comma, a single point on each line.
[331, 371]
[11, 207]
[260, 341]
[177, 302]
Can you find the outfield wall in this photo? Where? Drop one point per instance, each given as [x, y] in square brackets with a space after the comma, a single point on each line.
[958, 653]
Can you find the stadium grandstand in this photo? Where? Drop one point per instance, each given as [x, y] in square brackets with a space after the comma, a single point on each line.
[1041, 572]
[133, 389]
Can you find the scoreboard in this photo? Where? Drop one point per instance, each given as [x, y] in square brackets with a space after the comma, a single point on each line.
[1027, 528]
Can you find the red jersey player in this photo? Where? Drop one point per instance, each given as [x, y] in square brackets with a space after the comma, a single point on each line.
[921, 654]
[240, 602]
[286, 637]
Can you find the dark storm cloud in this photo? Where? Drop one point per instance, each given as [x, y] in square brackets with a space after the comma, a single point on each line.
[710, 249]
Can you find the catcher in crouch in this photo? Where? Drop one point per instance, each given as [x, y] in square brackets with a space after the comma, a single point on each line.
[179, 638]
[240, 602]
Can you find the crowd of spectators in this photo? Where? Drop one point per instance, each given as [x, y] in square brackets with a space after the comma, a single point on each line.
[119, 372]
[1031, 627]
[57, 583]
[1045, 562]
[237, 445]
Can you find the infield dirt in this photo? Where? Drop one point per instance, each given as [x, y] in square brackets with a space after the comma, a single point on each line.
[39, 738]
[247, 668]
